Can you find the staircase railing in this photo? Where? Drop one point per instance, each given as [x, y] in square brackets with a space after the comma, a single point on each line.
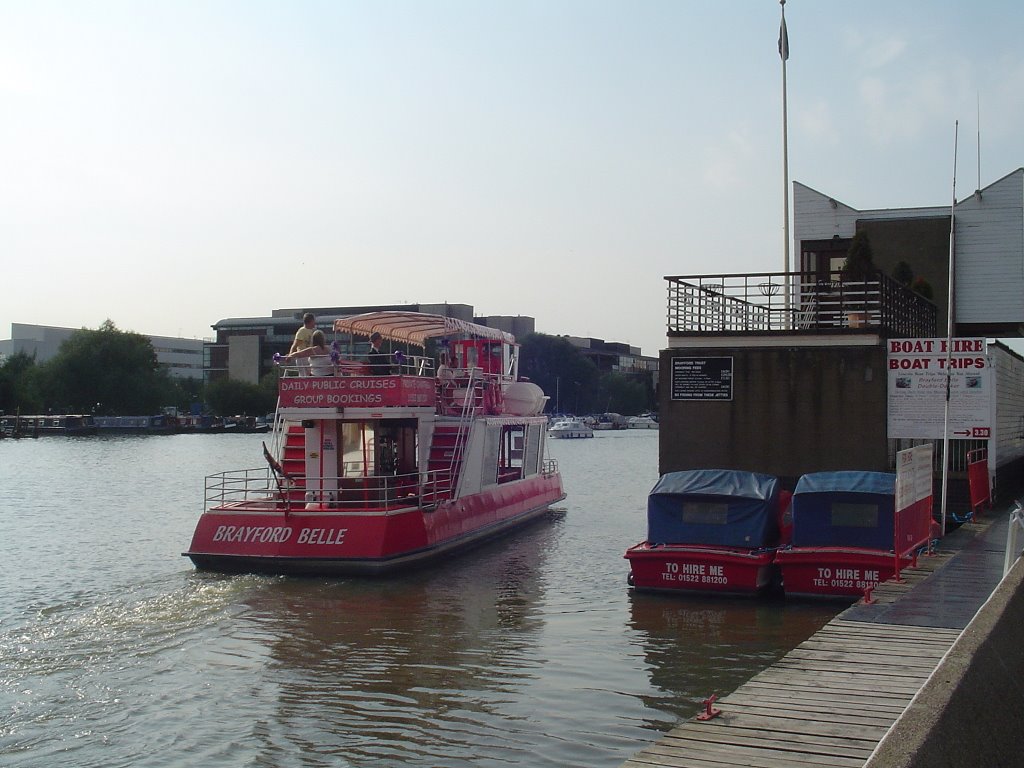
[472, 397]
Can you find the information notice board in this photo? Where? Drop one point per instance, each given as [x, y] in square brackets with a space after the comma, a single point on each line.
[917, 388]
[702, 378]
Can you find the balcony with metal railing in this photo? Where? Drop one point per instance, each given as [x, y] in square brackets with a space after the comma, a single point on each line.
[796, 303]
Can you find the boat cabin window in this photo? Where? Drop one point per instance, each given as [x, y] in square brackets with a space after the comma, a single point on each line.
[847, 515]
[486, 354]
[531, 456]
[705, 512]
[511, 452]
[371, 448]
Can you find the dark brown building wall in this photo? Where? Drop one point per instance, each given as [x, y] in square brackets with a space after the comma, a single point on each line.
[922, 243]
[794, 410]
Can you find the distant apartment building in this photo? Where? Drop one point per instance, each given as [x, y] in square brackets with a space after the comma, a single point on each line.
[183, 358]
[244, 347]
[615, 356]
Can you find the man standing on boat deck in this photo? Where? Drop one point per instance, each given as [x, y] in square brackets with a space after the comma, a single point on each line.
[304, 338]
[380, 365]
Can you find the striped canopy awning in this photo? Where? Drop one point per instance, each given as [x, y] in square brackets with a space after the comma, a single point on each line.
[416, 327]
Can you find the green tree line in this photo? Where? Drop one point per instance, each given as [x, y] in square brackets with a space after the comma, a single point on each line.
[112, 372]
[115, 373]
[574, 384]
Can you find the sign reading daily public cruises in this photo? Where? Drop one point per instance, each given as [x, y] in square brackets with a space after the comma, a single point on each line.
[355, 391]
[917, 388]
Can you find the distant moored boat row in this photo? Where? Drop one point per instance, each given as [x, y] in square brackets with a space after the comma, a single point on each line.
[86, 424]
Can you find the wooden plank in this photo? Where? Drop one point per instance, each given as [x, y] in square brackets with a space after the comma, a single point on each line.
[745, 755]
[924, 635]
[928, 651]
[790, 725]
[859, 643]
[863, 717]
[863, 658]
[645, 760]
[754, 756]
[824, 693]
[802, 703]
[827, 681]
[889, 631]
[860, 658]
[822, 674]
[854, 668]
[870, 634]
[771, 739]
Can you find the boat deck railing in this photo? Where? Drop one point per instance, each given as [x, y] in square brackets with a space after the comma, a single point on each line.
[258, 489]
[797, 302]
[336, 364]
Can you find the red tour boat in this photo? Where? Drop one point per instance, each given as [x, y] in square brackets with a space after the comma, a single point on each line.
[709, 530]
[373, 467]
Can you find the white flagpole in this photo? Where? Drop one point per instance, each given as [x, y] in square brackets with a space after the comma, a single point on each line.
[949, 340]
[784, 54]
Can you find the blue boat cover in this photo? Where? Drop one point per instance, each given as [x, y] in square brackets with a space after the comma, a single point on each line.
[845, 509]
[719, 507]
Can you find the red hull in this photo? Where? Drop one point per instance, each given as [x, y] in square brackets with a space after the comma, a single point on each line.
[688, 568]
[834, 571]
[253, 538]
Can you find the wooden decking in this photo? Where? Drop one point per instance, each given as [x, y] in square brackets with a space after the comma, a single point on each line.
[830, 700]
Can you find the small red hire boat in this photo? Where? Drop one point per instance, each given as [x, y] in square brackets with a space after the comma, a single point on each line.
[709, 530]
[843, 535]
[371, 471]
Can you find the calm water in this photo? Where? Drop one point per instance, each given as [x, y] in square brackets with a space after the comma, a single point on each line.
[114, 651]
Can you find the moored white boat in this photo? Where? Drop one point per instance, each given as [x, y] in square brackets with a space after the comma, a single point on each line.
[375, 473]
[641, 422]
[570, 428]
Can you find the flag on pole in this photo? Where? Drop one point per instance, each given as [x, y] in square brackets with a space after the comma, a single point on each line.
[783, 39]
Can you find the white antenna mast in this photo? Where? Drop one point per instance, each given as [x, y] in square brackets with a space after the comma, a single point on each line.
[949, 340]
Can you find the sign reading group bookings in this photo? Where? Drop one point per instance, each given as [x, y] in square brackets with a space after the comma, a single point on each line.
[355, 391]
[917, 388]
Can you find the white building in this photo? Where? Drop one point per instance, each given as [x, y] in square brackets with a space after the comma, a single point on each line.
[988, 249]
[183, 358]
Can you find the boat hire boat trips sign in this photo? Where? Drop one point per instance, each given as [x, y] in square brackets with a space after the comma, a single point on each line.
[917, 388]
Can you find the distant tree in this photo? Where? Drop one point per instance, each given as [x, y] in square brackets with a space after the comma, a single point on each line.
[268, 386]
[106, 370]
[230, 397]
[624, 394]
[21, 385]
[567, 377]
[923, 288]
[860, 260]
[184, 392]
[903, 274]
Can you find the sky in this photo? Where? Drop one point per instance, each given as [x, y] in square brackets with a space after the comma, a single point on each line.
[170, 164]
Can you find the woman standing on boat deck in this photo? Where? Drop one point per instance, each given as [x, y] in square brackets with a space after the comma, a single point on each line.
[318, 353]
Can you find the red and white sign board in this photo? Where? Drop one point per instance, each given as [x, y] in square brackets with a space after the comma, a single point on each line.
[356, 391]
[914, 503]
[917, 388]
